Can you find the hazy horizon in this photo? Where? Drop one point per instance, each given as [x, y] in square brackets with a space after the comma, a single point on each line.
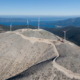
[37, 16]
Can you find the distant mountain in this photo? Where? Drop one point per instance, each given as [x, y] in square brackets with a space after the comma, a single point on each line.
[12, 20]
[68, 22]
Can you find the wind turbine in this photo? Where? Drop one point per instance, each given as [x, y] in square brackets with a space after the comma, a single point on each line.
[10, 26]
[28, 23]
[64, 32]
[38, 23]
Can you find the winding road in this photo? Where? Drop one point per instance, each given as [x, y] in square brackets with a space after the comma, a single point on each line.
[65, 71]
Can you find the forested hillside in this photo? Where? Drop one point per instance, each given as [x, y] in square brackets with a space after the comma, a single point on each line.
[73, 34]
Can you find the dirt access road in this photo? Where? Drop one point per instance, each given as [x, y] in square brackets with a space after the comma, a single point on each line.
[66, 72]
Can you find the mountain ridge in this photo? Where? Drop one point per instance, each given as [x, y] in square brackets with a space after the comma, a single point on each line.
[67, 22]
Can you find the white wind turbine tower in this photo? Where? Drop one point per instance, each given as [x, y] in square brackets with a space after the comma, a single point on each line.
[38, 23]
[65, 34]
[27, 23]
[10, 26]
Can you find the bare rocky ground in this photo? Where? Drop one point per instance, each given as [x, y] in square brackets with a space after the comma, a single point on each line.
[41, 71]
[69, 56]
[18, 54]
[29, 55]
[38, 34]
[60, 76]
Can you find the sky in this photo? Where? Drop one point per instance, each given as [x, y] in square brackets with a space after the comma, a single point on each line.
[40, 7]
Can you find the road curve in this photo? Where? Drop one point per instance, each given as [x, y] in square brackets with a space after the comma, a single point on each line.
[66, 72]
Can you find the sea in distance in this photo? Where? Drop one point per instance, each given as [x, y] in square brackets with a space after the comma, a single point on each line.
[32, 21]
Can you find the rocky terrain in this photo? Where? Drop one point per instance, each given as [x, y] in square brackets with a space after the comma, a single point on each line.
[70, 59]
[28, 54]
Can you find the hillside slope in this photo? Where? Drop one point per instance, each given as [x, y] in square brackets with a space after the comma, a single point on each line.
[68, 22]
[27, 54]
[19, 52]
[3, 28]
